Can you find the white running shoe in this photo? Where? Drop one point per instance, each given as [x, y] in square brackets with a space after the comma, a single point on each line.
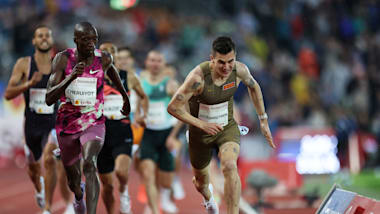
[211, 206]
[69, 209]
[167, 205]
[178, 191]
[40, 196]
[125, 203]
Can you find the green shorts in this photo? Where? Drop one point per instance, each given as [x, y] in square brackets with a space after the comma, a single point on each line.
[153, 147]
[202, 144]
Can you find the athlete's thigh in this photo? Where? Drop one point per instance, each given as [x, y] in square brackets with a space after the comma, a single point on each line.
[49, 148]
[165, 178]
[200, 154]
[105, 160]
[229, 151]
[202, 175]
[122, 162]
[106, 178]
[147, 148]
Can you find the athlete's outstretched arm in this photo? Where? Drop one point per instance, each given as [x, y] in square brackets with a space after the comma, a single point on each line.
[143, 99]
[112, 73]
[256, 95]
[58, 83]
[19, 82]
[193, 85]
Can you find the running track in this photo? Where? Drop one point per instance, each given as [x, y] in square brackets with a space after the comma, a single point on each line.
[17, 195]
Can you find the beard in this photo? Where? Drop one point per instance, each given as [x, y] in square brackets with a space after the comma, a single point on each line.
[44, 50]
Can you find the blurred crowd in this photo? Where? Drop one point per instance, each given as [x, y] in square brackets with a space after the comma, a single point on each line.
[317, 61]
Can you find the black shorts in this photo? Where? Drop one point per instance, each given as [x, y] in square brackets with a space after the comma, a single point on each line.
[118, 140]
[153, 147]
[36, 139]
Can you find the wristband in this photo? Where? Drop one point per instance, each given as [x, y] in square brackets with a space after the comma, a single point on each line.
[263, 116]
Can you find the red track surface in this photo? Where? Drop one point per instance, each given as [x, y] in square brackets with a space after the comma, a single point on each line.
[17, 195]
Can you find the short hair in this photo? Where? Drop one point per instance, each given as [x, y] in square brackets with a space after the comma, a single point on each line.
[38, 27]
[223, 45]
[125, 48]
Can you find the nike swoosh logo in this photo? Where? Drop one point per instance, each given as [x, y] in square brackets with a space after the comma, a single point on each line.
[94, 72]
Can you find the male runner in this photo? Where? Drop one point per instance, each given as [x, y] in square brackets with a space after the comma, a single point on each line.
[117, 150]
[30, 76]
[209, 90]
[159, 135]
[77, 80]
[125, 61]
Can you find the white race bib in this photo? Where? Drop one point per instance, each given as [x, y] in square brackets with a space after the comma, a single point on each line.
[37, 101]
[217, 113]
[82, 91]
[156, 113]
[113, 103]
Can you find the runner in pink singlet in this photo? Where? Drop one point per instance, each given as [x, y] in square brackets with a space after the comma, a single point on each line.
[77, 80]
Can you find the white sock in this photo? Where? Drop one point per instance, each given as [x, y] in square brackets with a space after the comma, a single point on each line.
[165, 194]
[125, 193]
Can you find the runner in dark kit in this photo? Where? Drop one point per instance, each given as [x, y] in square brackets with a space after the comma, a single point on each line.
[117, 150]
[30, 76]
[77, 80]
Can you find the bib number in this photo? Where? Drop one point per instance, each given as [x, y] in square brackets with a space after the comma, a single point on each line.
[37, 101]
[112, 105]
[82, 91]
[217, 113]
[156, 113]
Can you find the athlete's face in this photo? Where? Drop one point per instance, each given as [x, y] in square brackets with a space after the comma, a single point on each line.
[110, 48]
[223, 63]
[155, 62]
[86, 41]
[124, 60]
[43, 39]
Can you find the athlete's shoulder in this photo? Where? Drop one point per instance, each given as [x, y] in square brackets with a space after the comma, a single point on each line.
[22, 64]
[62, 57]
[23, 60]
[241, 66]
[204, 65]
[196, 74]
[144, 74]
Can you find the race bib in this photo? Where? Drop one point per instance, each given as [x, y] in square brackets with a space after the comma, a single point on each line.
[156, 113]
[37, 101]
[82, 91]
[112, 105]
[217, 113]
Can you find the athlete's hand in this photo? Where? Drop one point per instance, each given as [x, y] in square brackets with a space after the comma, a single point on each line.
[266, 132]
[211, 128]
[37, 76]
[140, 120]
[171, 143]
[78, 69]
[126, 107]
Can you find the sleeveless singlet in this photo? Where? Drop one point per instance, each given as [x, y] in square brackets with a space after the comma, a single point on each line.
[113, 101]
[158, 117]
[38, 115]
[215, 103]
[82, 104]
